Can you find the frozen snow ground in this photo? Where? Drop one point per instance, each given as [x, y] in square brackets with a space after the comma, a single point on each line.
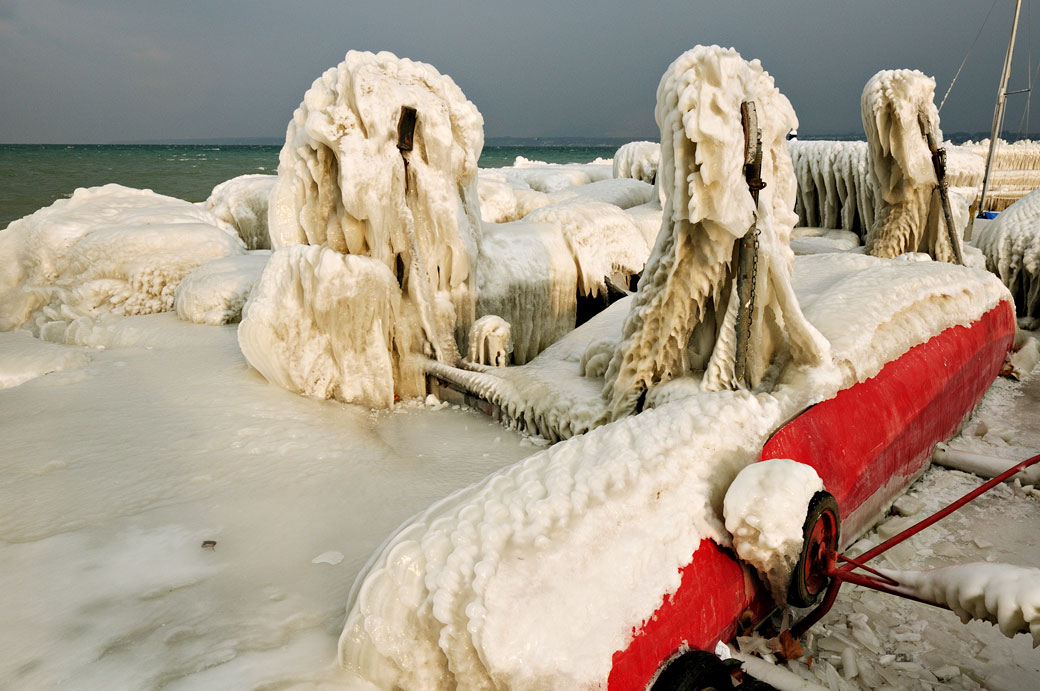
[114, 473]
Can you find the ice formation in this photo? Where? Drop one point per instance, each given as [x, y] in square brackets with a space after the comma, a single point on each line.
[764, 509]
[346, 185]
[242, 203]
[1002, 594]
[834, 186]
[215, 292]
[527, 276]
[326, 324]
[638, 160]
[685, 311]
[1015, 173]
[107, 249]
[896, 105]
[490, 342]
[602, 238]
[1012, 248]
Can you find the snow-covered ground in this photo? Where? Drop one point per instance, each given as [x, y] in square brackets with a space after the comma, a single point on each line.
[120, 462]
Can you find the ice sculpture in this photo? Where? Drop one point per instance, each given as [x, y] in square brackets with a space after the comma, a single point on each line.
[355, 178]
[684, 316]
[898, 117]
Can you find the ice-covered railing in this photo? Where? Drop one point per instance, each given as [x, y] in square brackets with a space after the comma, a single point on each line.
[404, 205]
[834, 187]
[1012, 248]
[1015, 173]
[1002, 594]
[684, 314]
[899, 116]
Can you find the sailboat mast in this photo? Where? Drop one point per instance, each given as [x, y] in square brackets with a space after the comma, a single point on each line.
[998, 111]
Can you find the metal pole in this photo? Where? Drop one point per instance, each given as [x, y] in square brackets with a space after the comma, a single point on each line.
[998, 111]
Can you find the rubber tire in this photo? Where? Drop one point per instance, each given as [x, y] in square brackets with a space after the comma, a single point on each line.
[694, 670]
[799, 595]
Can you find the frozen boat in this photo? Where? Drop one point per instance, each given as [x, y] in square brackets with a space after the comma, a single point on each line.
[599, 560]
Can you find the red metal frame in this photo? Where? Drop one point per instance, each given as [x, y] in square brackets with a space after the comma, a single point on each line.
[867, 443]
[877, 581]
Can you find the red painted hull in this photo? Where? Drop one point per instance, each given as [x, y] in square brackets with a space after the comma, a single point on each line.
[867, 443]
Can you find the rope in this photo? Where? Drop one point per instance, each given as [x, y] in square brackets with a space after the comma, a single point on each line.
[967, 54]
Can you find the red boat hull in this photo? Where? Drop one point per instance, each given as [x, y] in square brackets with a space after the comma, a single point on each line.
[868, 443]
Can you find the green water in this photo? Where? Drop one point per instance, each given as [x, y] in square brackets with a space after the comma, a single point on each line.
[34, 176]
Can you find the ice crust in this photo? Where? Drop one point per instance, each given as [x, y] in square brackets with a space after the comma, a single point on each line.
[684, 313]
[1012, 248]
[242, 203]
[638, 160]
[834, 185]
[344, 184]
[109, 249]
[908, 216]
[1002, 594]
[764, 509]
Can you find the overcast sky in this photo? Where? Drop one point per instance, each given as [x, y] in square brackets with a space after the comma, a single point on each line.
[95, 71]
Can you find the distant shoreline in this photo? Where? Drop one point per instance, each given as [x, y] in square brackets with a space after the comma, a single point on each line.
[513, 142]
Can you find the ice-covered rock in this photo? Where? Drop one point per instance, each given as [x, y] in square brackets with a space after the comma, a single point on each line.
[638, 160]
[215, 292]
[896, 105]
[325, 324]
[684, 314]
[1012, 248]
[343, 183]
[109, 249]
[242, 203]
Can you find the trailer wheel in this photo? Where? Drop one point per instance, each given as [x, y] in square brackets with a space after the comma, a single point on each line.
[820, 534]
[694, 670]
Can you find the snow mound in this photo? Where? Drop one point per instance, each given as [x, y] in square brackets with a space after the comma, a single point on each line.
[215, 292]
[109, 249]
[638, 160]
[684, 313]
[344, 184]
[908, 217]
[765, 510]
[1002, 594]
[324, 324]
[1012, 248]
[242, 204]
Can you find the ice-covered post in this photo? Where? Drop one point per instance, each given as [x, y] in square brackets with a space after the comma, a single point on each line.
[899, 119]
[378, 175]
[683, 319]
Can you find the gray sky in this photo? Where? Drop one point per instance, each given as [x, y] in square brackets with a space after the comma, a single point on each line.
[95, 71]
